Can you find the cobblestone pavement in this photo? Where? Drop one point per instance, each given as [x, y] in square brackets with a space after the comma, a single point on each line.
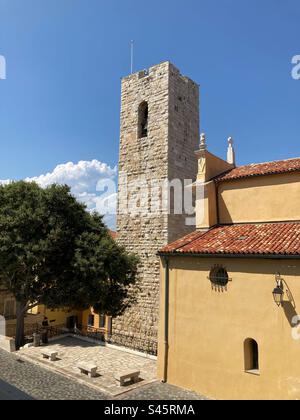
[8, 392]
[25, 380]
[41, 384]
[109, 361]
[160, 391]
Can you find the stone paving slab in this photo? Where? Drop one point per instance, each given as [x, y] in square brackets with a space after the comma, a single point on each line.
[109, 361]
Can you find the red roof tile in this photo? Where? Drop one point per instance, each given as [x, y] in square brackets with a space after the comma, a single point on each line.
[258, 169]
[112, 233]
[245, 239]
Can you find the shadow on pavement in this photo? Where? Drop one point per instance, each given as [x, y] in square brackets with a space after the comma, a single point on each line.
[11, 393]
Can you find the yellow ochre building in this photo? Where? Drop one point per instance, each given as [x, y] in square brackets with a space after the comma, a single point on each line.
[230, 291]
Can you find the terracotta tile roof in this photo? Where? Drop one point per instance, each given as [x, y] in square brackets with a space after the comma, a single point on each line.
[258, 169]
[244, 239]
[112, 233]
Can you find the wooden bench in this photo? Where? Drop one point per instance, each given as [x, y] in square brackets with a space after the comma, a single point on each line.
[51, 355]
[127, 376]
[87, 369]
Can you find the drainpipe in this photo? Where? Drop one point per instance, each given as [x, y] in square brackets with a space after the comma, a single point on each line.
[217, 203]
[166, 320]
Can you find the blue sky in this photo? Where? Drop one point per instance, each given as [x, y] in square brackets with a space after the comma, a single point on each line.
[60, 101]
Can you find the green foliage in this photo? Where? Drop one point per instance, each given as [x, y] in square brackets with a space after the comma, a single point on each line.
[53, 252]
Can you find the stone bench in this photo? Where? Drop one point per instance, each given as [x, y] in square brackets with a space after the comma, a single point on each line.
[87, 369]
[126, 376]
[51, 355]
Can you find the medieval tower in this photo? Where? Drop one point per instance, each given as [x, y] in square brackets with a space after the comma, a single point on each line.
[158, 139]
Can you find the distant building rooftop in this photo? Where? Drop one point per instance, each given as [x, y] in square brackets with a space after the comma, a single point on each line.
[112, 233]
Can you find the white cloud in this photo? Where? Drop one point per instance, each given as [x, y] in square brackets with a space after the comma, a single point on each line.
[81, 176]
[92, 182]
[5, 181]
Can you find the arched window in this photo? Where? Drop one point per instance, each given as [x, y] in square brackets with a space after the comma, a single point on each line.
[219, 276]
[91, 320]
[251, 355]
[143, 120]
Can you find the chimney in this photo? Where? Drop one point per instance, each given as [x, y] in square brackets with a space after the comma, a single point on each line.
[203, 141]
[230, 152]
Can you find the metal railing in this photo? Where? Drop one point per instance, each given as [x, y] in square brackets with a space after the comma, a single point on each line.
[146, 345]
[97, 334]
[142, 344]
[29, 330]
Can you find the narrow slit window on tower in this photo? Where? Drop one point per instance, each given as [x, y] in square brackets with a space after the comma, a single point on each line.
[251, 355]
[143, 120]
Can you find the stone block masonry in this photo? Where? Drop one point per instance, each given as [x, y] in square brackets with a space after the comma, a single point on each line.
[166, 152]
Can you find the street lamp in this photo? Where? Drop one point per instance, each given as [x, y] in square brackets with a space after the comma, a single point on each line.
[278, 292]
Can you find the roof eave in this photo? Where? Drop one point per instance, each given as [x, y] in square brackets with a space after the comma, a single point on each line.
[220, 179]
[245, 256]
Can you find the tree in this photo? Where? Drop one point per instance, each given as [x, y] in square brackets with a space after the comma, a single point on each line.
[53, 252]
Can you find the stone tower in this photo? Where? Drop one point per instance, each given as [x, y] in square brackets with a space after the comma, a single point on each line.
[159, 136]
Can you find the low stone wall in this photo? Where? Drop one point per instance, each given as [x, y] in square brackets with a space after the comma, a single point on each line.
[7, 343]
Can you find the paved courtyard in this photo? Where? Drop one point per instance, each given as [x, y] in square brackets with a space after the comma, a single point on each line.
[21, 379]
[109, 361]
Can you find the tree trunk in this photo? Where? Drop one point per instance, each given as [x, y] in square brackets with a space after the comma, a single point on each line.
[20, 335]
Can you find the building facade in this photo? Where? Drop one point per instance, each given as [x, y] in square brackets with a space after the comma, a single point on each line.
[159, 134]
[230, 295]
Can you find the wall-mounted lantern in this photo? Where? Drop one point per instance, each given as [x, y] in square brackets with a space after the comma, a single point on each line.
[278, 292]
